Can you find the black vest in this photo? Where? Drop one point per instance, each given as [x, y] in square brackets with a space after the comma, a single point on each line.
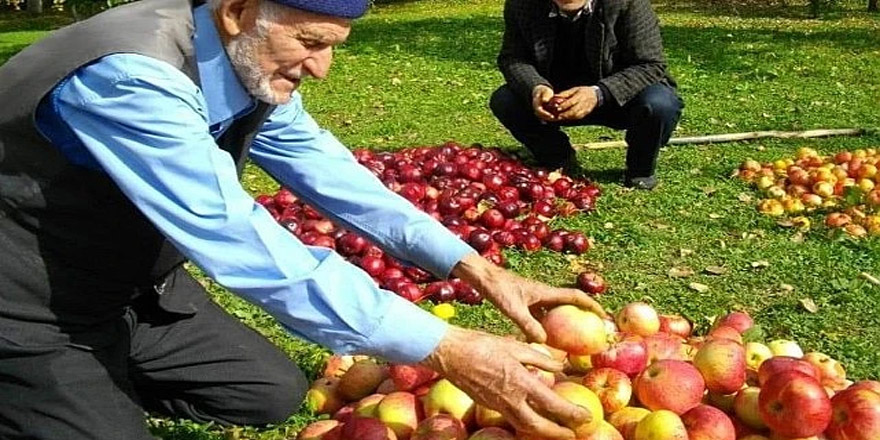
[73, 249]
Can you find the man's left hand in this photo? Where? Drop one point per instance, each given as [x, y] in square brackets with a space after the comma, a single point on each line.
[519, 298]
[579, 102]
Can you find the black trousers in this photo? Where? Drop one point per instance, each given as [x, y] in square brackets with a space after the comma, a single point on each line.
[205, 366]
[648, 119]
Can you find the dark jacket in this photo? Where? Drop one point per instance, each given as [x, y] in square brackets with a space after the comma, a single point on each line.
[623, 45]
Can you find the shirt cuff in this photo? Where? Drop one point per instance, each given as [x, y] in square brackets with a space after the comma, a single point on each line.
[407, 334]
[600, 95]
[439, 251]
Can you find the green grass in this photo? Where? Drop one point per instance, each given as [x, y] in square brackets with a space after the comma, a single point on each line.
[421, 72]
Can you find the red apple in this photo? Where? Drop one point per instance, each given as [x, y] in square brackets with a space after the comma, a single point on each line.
[741, 321]
[365, 428]
[627, 353]
[591, 283]
[675, 325]
[722, 363]
[673, 385]
[664, 346]
[780, 364]
[871, 385]
[856, 415]
[794, 405]
[704, 422]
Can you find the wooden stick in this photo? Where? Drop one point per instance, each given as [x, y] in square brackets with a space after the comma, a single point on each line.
[871, 278]
[733, 137]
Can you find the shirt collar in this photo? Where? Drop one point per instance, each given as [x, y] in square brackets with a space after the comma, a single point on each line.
[585, 10]
[225, 95]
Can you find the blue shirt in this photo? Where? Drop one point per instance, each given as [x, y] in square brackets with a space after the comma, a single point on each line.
[153, 131]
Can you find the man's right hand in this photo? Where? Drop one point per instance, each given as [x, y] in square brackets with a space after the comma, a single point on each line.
[542, 94]
[492, 371]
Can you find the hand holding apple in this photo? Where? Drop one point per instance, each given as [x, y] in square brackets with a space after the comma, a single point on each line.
[492, 371]
[516, 296]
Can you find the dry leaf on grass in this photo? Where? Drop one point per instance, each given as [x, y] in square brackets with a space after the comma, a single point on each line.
[760, 264]
[809, 305]
[702, 288]
[680, 272]
[715, 270]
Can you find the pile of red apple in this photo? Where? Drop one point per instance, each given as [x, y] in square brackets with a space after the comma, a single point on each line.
[844, 186]
[486, 197]
[643, 376]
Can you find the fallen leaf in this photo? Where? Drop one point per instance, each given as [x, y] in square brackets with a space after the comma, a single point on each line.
[760, 264]
[786, 287]
[798, 237]
[714, 216]
[640, 286]
[716, 270]
[685, 252]
[709, 190]
[810, 305]
[785, 223]
[745, 198]
[680, 272]
[702, 288]
[395, 81]
[609, 225]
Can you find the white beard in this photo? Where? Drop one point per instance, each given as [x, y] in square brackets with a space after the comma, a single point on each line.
[242, 51]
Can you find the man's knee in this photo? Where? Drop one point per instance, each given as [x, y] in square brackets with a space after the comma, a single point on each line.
[505, 104]
[277, 399]
[660, 103]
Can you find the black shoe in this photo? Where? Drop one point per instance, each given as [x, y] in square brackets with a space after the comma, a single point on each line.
[646, 183]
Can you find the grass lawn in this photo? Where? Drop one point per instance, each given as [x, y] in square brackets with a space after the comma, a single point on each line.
[421, 72]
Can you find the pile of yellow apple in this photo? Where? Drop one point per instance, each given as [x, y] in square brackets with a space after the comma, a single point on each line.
[643, 376]
[844, 186]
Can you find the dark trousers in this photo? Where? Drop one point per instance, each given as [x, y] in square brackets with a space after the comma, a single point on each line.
[206, 366]
[648, 119]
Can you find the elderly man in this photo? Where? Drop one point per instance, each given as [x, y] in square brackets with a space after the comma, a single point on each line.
[121, 141]
[586, 62]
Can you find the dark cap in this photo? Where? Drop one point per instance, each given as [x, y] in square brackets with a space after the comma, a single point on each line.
[335, 8]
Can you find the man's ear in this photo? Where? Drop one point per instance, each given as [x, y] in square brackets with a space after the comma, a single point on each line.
[236, 16]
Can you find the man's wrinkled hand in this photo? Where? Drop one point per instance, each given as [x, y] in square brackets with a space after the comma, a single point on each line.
[492, 371]
[579, 102]
[521, 299]
[541, 95]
